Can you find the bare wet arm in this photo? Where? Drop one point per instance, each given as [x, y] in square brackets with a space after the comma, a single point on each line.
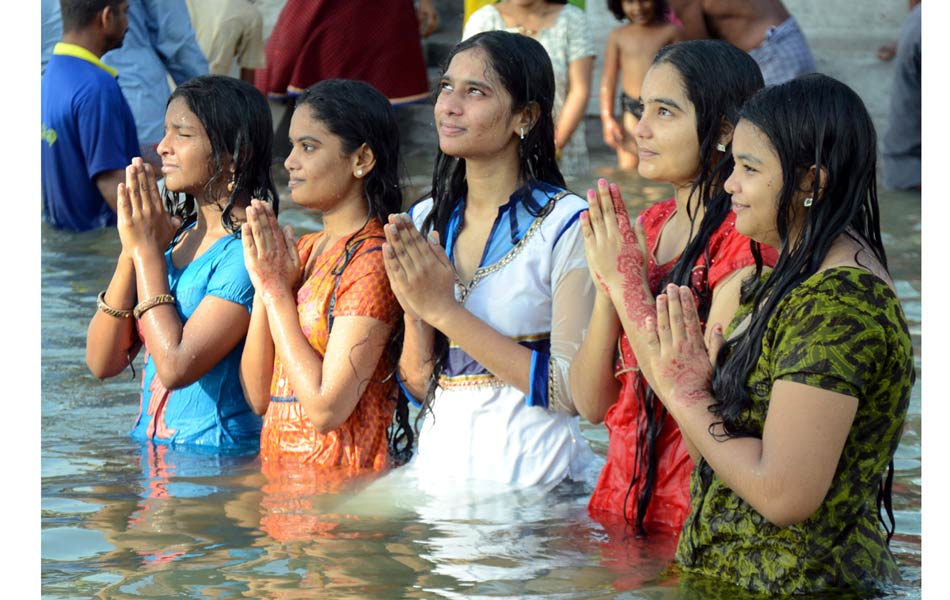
[575, 102]
[257, 359]
[111, 341]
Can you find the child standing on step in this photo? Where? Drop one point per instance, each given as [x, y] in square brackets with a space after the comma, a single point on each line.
[629, 54]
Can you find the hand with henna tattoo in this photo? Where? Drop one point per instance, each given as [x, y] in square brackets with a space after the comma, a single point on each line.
[616, 254]
[680, 370]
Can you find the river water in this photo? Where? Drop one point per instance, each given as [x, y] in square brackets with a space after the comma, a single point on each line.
[120, 520]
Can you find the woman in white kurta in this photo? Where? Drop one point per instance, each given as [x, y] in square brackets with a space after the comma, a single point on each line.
[497, 294]
[564, 32]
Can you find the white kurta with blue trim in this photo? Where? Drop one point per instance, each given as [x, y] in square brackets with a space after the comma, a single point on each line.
[533, 286]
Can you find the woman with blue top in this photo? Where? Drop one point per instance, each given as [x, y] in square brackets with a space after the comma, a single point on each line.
[497, 296]
[180, 286]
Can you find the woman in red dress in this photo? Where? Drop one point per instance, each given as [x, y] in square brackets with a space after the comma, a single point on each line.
[691, 97]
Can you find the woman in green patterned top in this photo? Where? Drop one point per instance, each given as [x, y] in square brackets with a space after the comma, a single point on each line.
[794, 430]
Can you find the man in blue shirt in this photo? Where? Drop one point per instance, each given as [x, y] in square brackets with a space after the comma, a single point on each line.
[88, 131]
[160, 42]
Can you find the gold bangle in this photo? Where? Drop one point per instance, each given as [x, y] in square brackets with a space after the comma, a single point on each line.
[152, 302]
[118, 313]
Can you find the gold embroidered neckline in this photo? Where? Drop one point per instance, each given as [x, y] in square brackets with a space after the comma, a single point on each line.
[483, 272]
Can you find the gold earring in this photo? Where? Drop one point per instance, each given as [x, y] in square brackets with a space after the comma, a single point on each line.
[231, 183]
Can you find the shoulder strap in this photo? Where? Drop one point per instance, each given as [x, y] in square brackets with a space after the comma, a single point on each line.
[338, 275]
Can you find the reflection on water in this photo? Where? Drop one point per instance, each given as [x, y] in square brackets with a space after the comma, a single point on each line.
[123, 520]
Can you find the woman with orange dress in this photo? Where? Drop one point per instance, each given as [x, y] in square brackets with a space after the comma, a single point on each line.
[316, 363]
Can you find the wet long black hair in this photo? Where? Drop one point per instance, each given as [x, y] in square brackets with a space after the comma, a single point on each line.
[357, 114]
[523, 67]
[813, 120]
[237, 120]
[718, 78]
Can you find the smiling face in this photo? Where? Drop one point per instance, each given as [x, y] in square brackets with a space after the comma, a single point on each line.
[755, 185]
[639, 12]
[321, 174]
[473, 109]
[185, 150]
[666, 133]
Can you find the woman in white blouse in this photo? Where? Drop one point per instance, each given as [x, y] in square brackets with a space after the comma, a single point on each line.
[491, 273]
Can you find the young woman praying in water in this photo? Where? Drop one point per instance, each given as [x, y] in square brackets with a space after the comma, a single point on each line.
[490, 272]
[691, 98]
[319, 358]
[794, 410]
[180, 286]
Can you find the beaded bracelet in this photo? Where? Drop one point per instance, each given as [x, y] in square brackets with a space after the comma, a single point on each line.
[152, 302]
[118, 313]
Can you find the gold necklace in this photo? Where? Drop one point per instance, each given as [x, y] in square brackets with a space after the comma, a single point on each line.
[525, 31]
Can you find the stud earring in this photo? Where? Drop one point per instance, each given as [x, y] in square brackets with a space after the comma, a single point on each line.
[522, 133]
[359, 172]
[720, 147]
[807, 202]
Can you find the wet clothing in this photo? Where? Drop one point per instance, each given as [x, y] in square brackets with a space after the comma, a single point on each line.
[294, 499]
[533, 286]
[569, 39]
[87, 129]
[315, 40]
[729, 251]
[784, 53]
[362, 289]
[212, 411]
[842, 330]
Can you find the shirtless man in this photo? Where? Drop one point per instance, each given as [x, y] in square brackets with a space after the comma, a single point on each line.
[763, 28]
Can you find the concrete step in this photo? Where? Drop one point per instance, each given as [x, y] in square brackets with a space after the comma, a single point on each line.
[438, 45]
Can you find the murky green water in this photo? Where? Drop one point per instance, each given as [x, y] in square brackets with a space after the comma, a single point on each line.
[120, 520]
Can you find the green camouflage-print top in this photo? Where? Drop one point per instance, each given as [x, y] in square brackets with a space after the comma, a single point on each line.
[843, 330]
